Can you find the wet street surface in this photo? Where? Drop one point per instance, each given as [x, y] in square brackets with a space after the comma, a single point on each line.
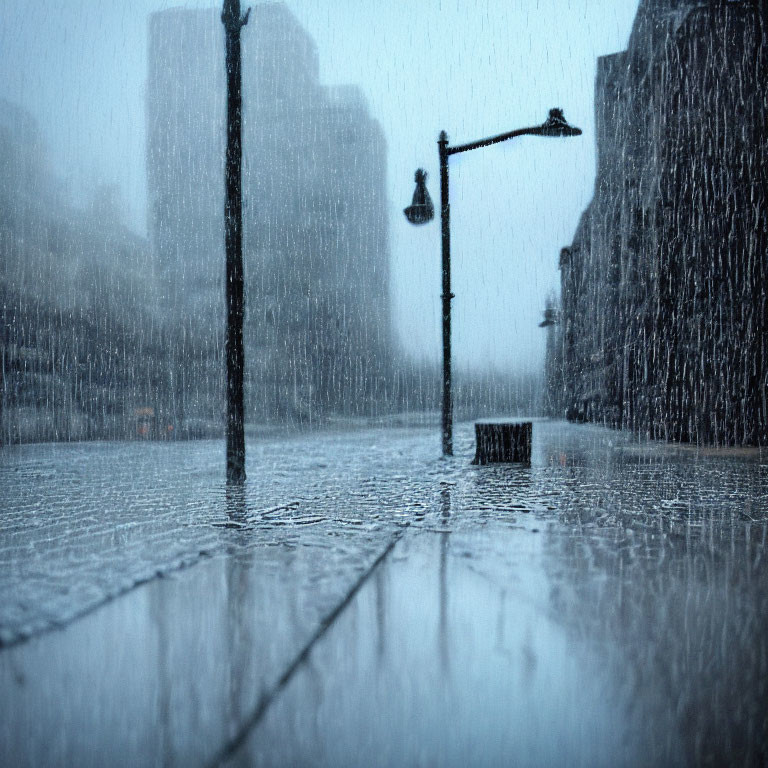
[365, 602]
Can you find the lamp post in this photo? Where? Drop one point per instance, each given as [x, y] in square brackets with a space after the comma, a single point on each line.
[233, 243]
[420, 211]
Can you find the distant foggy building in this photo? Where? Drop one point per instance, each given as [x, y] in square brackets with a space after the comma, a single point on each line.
[316, 246]
[664, 305]
[81, 348]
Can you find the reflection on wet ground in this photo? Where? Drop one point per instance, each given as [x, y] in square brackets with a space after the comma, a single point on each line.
[364, 602]
[454, 657]
[86, 522]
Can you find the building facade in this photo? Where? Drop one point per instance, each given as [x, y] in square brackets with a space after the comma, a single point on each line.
[316, 251]
[79, 336]
[664, 310]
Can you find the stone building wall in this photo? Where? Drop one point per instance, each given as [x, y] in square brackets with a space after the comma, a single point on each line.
[664, 317]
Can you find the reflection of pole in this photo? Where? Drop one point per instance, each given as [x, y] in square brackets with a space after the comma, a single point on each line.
[162, 615]
[238, 620]
[381, 612]
[445, 215]
[443, 628]
[233, 240]
[445, 505]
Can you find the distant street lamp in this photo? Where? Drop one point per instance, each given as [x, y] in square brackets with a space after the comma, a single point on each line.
[551, 317]
[421, 211]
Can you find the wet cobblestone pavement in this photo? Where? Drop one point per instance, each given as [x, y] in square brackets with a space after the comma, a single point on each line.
[366, 602]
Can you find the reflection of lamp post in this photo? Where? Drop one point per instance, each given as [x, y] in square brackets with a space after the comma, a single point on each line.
[420, 211]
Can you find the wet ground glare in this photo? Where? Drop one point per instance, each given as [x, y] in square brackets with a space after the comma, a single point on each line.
[365, 602]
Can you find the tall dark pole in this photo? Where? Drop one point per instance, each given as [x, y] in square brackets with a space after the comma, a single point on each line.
[233, 242]
[445, 220]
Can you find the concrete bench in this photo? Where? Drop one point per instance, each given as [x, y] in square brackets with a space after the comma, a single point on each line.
[503, 441]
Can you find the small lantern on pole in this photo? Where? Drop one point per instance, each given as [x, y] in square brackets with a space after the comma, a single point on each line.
[421, 210]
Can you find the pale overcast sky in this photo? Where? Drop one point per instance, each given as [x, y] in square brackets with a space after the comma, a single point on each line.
[471, 68]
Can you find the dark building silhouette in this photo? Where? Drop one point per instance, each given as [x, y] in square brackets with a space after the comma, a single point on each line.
[664, 312]
[316, 252]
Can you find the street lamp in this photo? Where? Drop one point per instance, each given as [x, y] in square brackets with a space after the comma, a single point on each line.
[551, 317]
[420, 212]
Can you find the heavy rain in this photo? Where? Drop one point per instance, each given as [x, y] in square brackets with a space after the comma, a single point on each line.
[383, 383]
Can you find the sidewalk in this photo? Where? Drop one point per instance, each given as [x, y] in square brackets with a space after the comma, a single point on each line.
[367, 603]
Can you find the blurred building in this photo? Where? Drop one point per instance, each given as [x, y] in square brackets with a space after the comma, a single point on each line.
[81, 348]
[316, 246]
[664, 310]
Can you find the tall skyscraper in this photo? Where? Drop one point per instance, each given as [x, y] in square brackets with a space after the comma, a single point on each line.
[315, 229]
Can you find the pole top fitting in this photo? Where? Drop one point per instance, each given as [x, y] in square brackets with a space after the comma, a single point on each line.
[231, 19]
[443, 138]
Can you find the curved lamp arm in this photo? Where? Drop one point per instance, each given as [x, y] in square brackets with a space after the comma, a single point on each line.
[555, 125]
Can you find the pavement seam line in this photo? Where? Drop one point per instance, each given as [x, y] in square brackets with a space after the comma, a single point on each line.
[267, 698]
[60, 625]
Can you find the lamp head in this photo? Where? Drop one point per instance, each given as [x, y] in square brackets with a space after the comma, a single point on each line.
[421, 210]
[557, 125]
[551, 317]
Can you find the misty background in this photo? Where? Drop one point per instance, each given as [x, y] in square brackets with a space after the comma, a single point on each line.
[472, 69]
